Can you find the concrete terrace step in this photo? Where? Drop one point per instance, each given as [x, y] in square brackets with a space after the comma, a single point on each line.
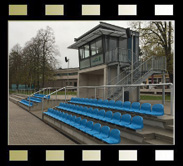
[17, 97]
[14, 100]
[148, 132]
[164, 137]
[157, 133]
[169, 127]
[156, 142]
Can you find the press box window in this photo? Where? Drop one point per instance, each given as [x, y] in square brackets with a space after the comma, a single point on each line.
[84, 51]
[96, 47]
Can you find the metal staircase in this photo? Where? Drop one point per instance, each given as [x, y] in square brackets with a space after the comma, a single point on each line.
[141, 71]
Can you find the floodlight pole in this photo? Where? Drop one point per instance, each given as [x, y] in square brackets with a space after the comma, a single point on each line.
[132, 59]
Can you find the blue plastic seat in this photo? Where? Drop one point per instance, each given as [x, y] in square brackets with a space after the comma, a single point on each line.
[99, 102]
[101, 114]
[89, 126]
[61, 114]
[48, 111]
[73, 120]
[96, 129]
[65, 117]
[105, 103]
[37, 100]
[157, 110]
[116, 118]
[68, 120]
[135, 107]
[136, 123]
[105, 130]
[90, 112]
[111, 104]
[114, 137]
[95, 113]
[85, 112]
[25, 102]
[108, 116]
[126, 106]
[145, 108]
[77, 122]
[94, 102]
[125, 120]
[82, 124]
[118, 105]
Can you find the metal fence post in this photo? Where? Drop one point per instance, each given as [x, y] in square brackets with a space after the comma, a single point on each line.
[104, 94]
[29, 103]
[56, 97]
[95, 93]
[42, 106]
[172, 100]
[163, 90]
[123, 94]
[77, 91]
[65, 94]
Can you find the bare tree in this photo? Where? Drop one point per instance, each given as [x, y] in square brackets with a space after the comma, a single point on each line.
[156, 38]
[15, 63]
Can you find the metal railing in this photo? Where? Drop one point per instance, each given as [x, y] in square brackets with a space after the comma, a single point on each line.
[123, 87]
[119, 55]
[100, 92]
[140, 72]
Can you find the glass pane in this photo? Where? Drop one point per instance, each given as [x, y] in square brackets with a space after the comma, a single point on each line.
[99, 46]
[93, 48]
[81, 53]
[87, 52]
[96, 47]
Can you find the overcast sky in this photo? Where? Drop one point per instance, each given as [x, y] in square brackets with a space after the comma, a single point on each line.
[65, 31]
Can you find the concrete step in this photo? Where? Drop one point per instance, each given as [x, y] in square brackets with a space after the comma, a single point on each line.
[14, 100]
[169, 127]
[150, 132]
[17, 96]
[164, 137]
[156, 142]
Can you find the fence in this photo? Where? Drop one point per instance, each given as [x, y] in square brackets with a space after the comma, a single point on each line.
[100, 92]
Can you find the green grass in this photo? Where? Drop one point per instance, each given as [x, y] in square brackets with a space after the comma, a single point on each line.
[153, 97]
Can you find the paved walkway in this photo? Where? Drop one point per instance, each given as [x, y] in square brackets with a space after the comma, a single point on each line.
[26, 129]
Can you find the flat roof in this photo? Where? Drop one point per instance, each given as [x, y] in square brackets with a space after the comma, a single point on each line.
[99, 30]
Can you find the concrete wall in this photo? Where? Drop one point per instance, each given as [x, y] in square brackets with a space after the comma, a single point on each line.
[94, 76]
[90, 80]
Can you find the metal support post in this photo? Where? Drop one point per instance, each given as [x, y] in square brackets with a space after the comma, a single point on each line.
[123, 98]
[77, 91]
[163, 89]
[65, 94]
[132, 60]
[95, 93]
[29, 103]
[42, 106]
[172, 100]
[104, 94]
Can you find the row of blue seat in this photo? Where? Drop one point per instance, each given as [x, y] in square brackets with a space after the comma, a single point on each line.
[135, 123]
[34, 99]
[145, 108]
[42, 96]
[25, 102]
[95, 130]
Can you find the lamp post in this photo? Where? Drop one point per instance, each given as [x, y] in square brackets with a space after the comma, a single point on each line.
[67, 60]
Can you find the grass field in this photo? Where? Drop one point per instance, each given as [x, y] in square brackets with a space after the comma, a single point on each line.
[154, 97]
